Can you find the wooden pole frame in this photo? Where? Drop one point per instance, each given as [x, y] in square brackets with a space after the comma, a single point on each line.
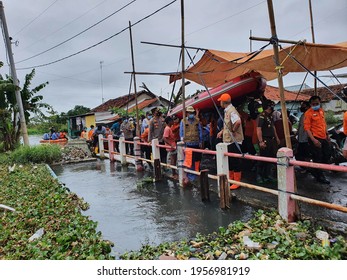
[134, 80]
[313, 41]
[183, 67]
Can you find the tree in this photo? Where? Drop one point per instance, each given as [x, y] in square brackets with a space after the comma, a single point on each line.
[9, 113]
[78, 110]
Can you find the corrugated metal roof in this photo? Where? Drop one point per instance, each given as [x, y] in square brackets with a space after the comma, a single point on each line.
[273, 93]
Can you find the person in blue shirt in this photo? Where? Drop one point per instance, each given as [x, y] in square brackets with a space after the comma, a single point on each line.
[192, 136]
[55, 136]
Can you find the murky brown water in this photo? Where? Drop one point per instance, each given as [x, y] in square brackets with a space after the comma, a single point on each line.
[131, 216]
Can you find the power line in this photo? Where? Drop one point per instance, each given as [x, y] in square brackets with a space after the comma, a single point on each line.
[85, 30]
[72, 21]
[101, 42]
[36, 18]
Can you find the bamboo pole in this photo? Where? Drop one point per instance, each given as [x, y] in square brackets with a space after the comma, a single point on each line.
[313, 41]
[171, 45]
[279, 75]
[281, 88]
[183, 67]
[134, 79]
[278, 40]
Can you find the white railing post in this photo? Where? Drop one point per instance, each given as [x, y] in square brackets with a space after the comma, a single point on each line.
[222, 161]
[137, 152]
[101, 145]
[155, 149]
[122, 151]
[180, 161]
[285, 177]
[110, 147]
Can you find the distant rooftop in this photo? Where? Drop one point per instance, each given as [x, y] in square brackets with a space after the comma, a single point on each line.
[296, 88]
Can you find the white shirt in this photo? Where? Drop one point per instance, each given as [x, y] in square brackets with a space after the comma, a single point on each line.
[234, 117]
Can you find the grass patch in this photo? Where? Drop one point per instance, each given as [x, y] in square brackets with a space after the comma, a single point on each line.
[35, 154]
[41, 202]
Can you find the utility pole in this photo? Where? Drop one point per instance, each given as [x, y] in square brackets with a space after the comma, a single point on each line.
[23, 125]
[102, 83]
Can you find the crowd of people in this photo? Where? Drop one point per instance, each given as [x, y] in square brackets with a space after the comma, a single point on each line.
[259, 131]
[54, 135]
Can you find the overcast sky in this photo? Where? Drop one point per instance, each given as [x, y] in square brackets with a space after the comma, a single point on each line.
[39, 25]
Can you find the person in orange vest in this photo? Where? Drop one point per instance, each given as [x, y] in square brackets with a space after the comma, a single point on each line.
[84, 134]
[90, 133]
[146, 150]
[63, 135]
[318, 138]
[169, 139]
[232, 133]
[176, 127]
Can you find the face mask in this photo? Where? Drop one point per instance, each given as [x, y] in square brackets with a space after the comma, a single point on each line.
[149, 117]
[191, 116]
[315, 108]
[260, 110]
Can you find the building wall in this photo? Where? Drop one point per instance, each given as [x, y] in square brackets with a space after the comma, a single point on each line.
[90, 120]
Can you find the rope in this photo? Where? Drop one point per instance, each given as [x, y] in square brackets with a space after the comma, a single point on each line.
[281, 65]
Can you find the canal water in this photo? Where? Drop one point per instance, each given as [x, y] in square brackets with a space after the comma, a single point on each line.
[131, 215]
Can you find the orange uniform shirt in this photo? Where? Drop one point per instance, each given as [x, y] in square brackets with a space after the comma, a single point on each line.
[144, 135]
[315, 122]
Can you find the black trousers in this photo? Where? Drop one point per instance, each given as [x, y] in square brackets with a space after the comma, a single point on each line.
[264, 169]
[234, 163]
[320, 155]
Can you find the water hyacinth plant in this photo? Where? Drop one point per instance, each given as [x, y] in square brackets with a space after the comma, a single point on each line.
[266, 236]
[42, 205]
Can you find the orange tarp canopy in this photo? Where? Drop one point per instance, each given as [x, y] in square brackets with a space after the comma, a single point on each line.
[217, 67]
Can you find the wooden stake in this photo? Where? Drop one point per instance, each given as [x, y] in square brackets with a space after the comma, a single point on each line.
[157, 170]
[223, 183]
[204, 185]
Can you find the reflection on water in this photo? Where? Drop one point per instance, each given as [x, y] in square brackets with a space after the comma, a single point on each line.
[131, 216]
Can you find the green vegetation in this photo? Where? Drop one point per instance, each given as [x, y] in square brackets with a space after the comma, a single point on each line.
[33, 154]
[41, 202]
[9, 112]
[330, 118]
[270, 238]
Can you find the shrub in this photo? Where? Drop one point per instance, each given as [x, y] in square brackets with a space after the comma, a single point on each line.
[330, 118]
[36, 154]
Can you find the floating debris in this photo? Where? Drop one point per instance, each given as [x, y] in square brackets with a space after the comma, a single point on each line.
[7, 207]
[38, 234]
